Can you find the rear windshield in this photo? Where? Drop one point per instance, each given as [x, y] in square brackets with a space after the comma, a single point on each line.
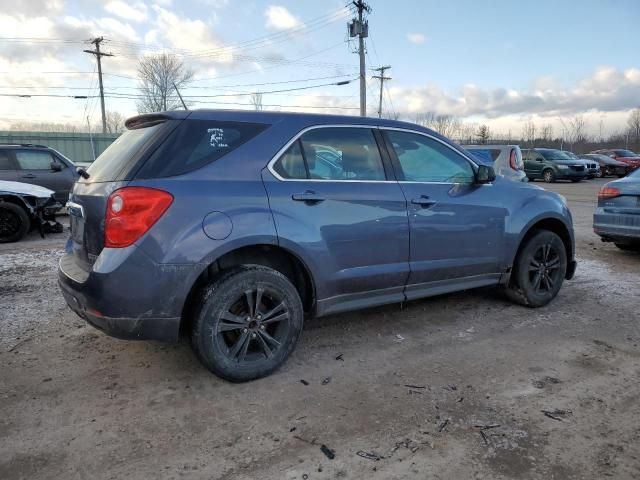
[196, 143]
[120, 154]
[486, 155]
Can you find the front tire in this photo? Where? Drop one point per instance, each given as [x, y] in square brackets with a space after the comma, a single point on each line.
[247, 323]
[548, 176]
[539, 270]
[601, 173]
[14, 222]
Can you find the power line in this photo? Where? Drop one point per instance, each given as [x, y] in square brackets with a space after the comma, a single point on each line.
[382, 78]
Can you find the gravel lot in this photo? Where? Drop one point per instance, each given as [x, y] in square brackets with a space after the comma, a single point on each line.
[447, 387]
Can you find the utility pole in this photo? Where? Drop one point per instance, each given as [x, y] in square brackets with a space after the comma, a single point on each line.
[382, 78]
[359, 27]
[96, 41]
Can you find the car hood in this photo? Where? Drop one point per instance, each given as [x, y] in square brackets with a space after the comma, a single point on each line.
[569, 162]
[25, 189]
[613, 163]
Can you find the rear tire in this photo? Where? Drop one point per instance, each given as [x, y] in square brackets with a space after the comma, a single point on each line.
[246, 323]
[549, 176]
[14, 222]
[539, 270]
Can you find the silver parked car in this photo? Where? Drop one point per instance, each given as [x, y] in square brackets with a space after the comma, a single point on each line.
[505, 159]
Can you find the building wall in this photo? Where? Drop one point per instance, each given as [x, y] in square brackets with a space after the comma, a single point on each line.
[78, 147]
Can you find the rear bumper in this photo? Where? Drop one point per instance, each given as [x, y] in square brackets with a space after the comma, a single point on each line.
[127, 296]
[616, 227]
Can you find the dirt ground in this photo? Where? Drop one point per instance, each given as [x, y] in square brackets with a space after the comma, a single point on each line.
[450, 387]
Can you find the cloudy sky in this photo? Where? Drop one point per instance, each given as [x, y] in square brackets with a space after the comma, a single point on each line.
[499, 62]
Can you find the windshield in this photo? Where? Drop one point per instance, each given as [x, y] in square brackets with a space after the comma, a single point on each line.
[625, 153]
[554, 155]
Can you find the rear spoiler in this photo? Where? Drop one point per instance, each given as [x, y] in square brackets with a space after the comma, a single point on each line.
[150, 119]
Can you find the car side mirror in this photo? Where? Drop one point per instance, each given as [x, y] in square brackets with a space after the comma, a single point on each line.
[485, 174]
[56, 167]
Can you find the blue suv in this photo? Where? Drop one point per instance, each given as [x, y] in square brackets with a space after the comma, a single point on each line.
[233, 226]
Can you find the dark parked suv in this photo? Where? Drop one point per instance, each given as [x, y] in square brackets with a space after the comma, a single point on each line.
[39, 165]
[233, 226]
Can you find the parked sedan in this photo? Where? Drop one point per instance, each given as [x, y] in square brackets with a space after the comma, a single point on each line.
[23, 207]
[608, 166]
[617, 217]
[593, 168]
[626, 156]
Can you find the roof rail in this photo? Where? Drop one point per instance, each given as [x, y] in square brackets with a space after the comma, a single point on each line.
[23, 145]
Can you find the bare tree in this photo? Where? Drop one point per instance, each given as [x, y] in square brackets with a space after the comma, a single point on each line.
[633, 122]
[256, 99]
[577, 129]
[159, 76]
[483, 134]
[115, 122]
[529, 132]
[546, 132]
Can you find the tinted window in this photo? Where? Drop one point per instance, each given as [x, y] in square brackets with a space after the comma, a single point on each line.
[554, 155]
[423, 159]
[342, 154]
[33, 160]
[196, 143]
[625, 153]
[291, 163]
[5, 161]
[120, 154]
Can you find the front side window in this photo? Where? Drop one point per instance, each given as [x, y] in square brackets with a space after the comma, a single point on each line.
[5, 161]
[423, 159]
[33, 160]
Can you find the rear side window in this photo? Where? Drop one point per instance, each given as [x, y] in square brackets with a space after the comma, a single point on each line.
[334, 153]
[196, 143]
[121, 154]
[33, 160]
[5, 161]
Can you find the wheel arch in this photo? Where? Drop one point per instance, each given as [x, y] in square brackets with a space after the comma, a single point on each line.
[269, 255]
[552, 224]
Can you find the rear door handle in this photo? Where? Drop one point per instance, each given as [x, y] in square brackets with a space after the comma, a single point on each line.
[307, 196]
[424, 201]
[29, 175]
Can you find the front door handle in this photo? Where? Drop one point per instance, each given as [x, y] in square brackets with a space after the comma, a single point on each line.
[307, 196]
[29, 175]
[424, 201]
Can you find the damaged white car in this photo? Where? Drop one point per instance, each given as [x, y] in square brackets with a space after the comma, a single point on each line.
[24, 207]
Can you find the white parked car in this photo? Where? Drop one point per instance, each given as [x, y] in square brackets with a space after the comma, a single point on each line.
[505, 159]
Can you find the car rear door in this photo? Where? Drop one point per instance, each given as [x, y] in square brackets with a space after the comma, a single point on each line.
[335, 203]
[457, 227]
[7, 166]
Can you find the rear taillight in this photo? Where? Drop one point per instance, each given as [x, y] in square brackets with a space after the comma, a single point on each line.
[608, 192]
[131, 211]
[513, 161]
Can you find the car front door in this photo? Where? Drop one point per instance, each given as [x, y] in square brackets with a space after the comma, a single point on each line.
[7, 166]
[457, 226]
[336, 204]
[41, 168]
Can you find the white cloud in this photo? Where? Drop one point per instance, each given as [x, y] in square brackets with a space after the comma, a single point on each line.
[416, 38]
[31, 7]
[279, 18]
[136, 12]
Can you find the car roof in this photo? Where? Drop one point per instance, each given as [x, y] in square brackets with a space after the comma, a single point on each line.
[271, 117]
[22, 145]
[468, 147]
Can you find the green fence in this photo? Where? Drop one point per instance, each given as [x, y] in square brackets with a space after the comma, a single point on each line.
[78, 147]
